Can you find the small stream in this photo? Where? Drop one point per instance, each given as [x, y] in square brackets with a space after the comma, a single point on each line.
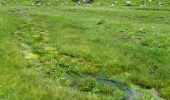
[131, 94]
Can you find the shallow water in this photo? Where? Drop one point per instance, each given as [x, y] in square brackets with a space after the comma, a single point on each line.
[131, 94]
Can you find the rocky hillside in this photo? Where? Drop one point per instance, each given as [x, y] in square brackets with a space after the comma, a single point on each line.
[92, 2]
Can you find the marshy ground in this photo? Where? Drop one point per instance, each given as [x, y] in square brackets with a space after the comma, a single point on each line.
[87, 53]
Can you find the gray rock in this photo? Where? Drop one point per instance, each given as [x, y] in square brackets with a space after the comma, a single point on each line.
[86, 1]
[128, 3]
[115, 2]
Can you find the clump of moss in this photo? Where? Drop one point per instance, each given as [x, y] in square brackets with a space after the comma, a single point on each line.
[90, 70]
[86, 85]
[143, 83]
[165, 92]
[106, 89]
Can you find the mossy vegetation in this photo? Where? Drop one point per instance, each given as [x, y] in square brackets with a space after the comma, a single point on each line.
[64, 50]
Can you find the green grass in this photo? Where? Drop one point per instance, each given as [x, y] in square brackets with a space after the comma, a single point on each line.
[17, 80]
[139, 45]
[54, 52]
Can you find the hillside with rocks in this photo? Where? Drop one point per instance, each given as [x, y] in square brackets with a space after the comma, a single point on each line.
[91, 2]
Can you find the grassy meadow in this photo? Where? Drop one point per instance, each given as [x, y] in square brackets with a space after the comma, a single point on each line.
[68, 53]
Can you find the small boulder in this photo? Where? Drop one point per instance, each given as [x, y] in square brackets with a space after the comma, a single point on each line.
[87, 1]
[98, 4]
[115, 2]
[160, 4]
[128, 3]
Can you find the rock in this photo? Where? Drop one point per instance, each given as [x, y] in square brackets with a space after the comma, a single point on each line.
[98, 4]
[160, 4]
[128, 3]
[88, 5]
[115, 2]
[79, 3]
[86, 1]
[143, 5]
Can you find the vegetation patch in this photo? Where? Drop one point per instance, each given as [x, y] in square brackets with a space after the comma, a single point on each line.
[104, 53]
